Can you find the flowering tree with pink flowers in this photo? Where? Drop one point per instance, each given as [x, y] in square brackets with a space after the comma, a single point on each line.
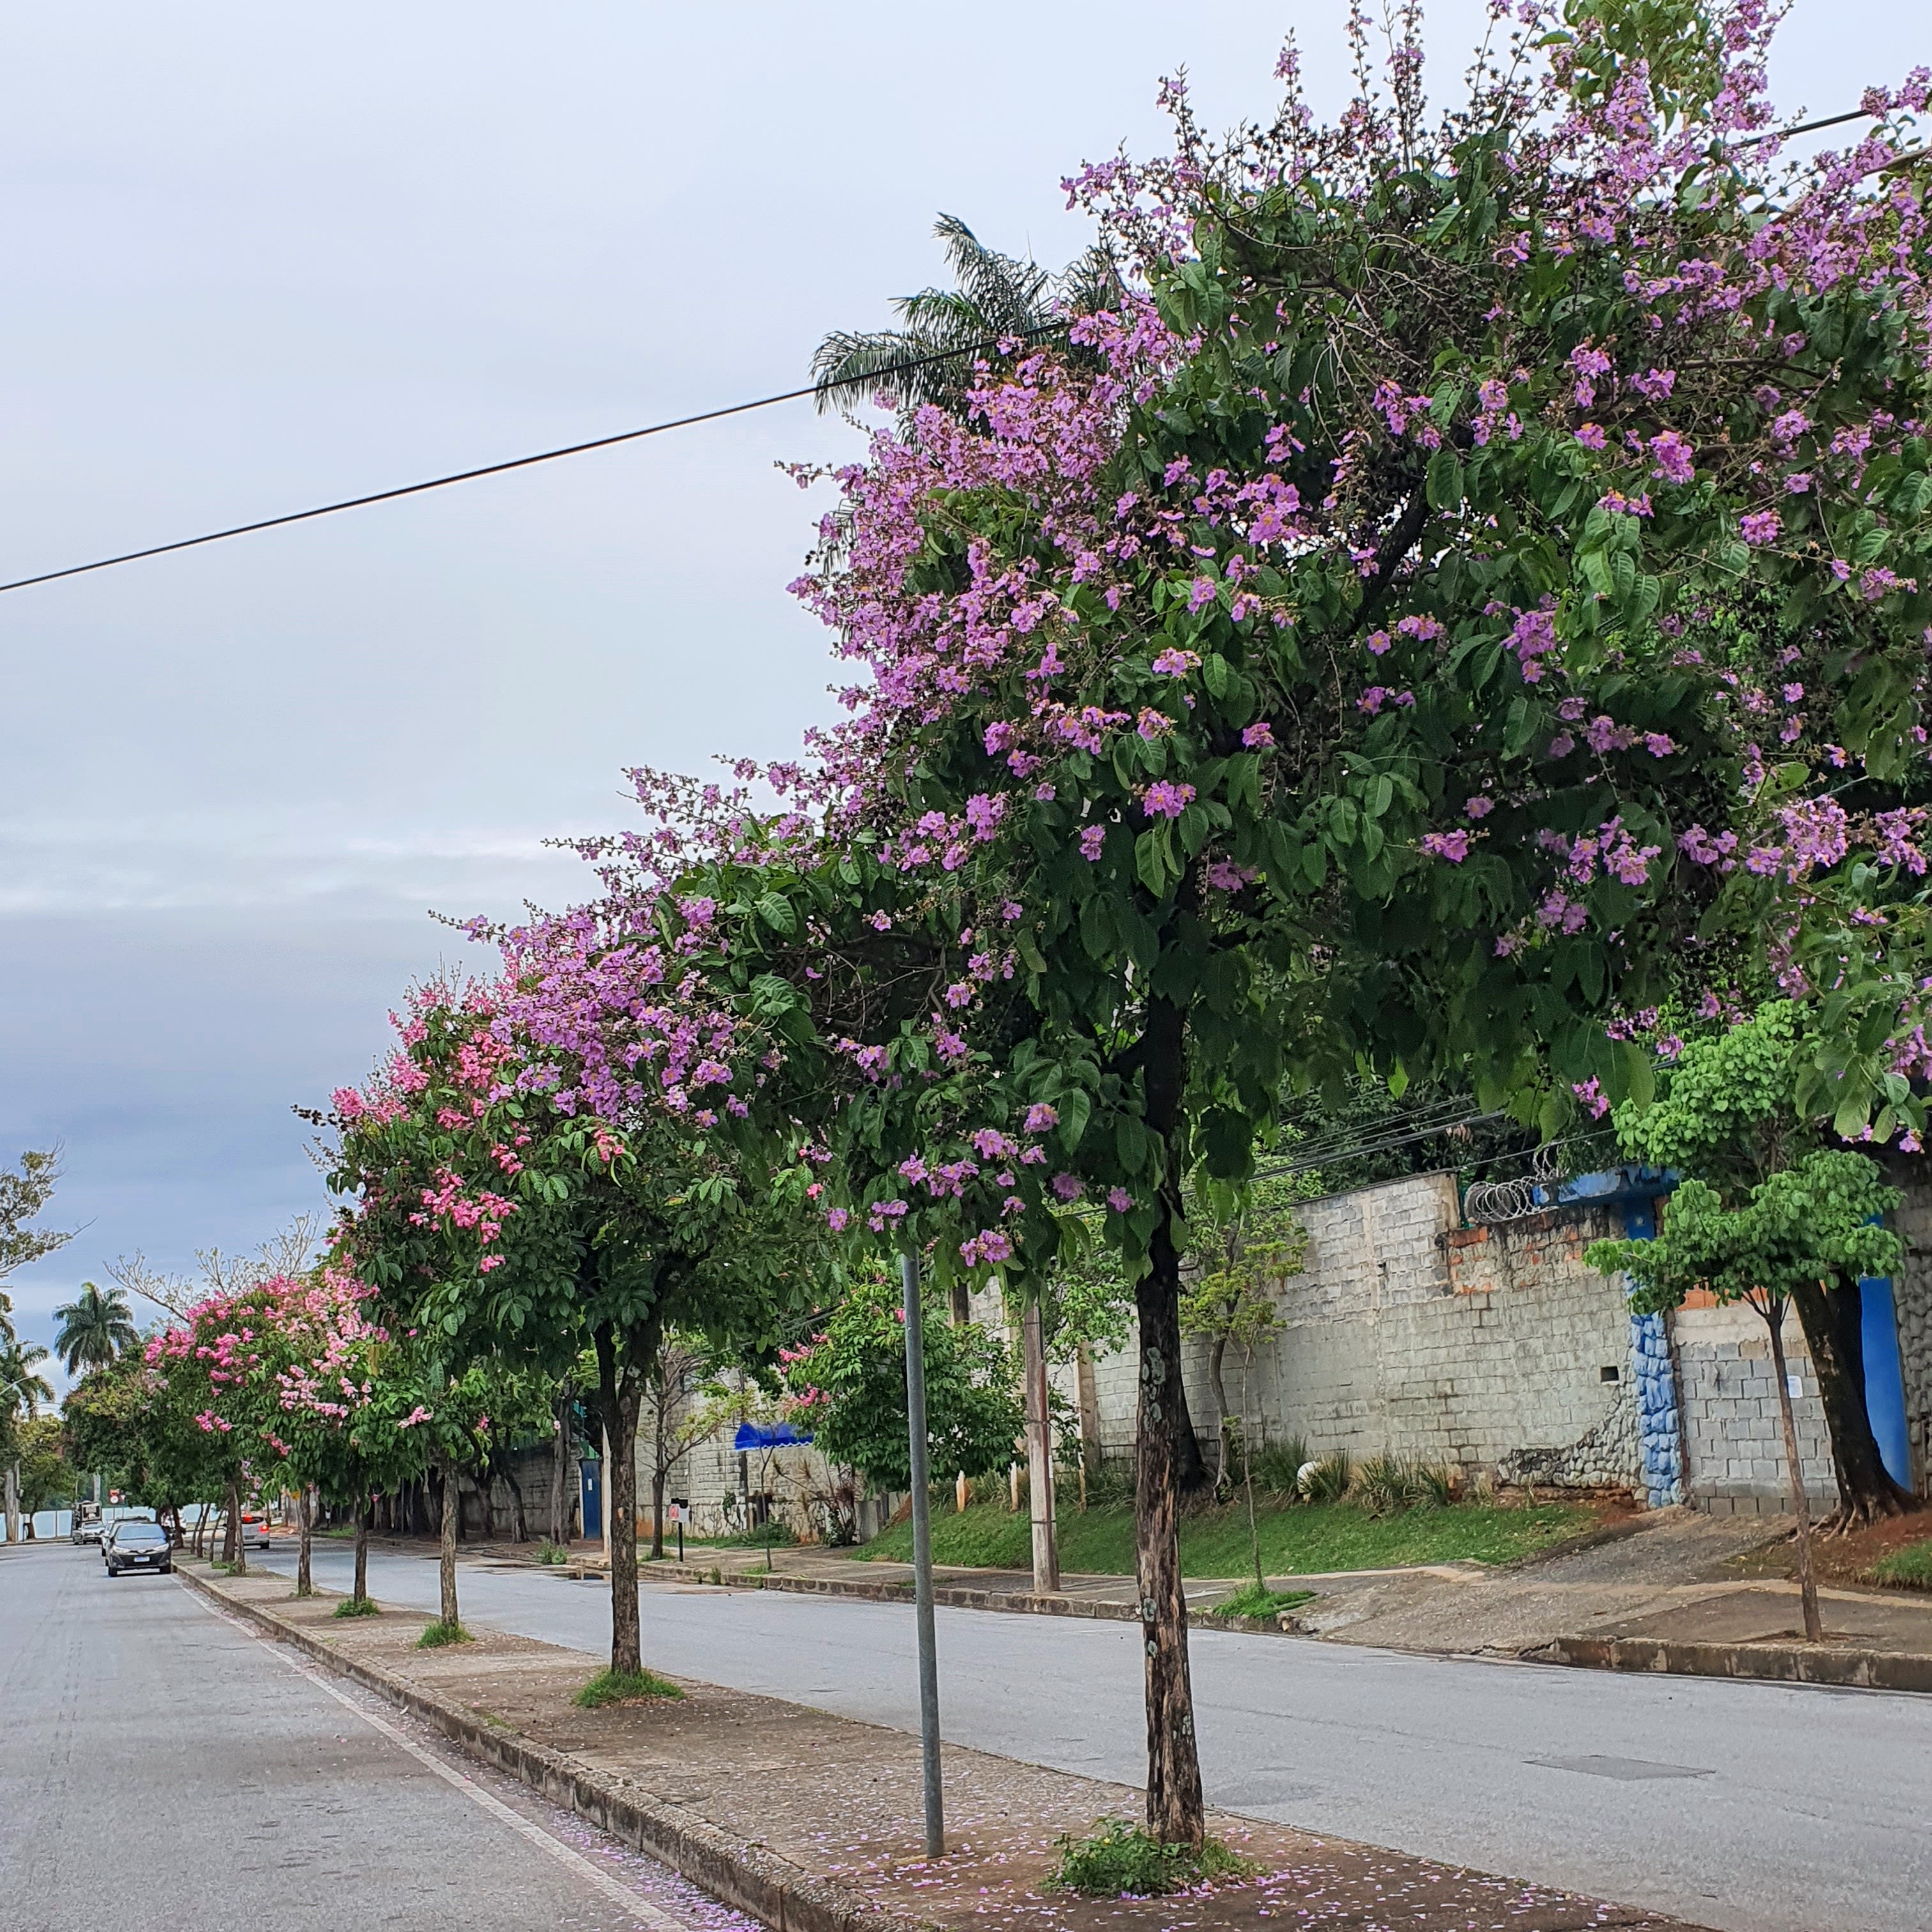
[551, 1163]
[1490, 574]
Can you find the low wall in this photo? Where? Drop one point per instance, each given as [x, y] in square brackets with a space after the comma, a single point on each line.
[1406, 1334]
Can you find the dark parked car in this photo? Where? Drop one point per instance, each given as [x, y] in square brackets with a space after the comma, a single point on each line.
[137, 1543]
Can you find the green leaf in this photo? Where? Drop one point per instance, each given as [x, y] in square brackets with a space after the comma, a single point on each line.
[1076, 1107]
[1444, 484]
[1149, 864]
[775, 909]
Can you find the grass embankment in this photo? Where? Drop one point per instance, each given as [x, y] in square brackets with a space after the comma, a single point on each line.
[1300, 1540]
[1907, 1569]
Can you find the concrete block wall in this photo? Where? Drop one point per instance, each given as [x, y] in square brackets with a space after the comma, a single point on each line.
[1733, 1435]
[1912, 1294]
[1408, 1335]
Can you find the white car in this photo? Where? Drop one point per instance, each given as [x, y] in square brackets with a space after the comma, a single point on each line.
[91, 1529]
[253, 1531]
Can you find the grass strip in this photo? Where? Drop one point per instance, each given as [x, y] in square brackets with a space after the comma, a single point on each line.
[1304, 1539]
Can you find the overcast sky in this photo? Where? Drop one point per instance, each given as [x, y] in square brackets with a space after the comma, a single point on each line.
[259, 257]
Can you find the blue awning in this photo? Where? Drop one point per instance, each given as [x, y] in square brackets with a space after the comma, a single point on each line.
[767, 1435]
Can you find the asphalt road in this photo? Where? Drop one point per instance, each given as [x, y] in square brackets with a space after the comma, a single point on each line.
[1754, 1807]
[165, 1771]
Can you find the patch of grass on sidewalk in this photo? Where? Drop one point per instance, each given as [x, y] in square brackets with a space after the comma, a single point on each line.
[438, 1634]
[1907, 1569]
[1123, 1860]
[613, 1687]
[357, 1606]
[1253, 1600]
[1303, 1540]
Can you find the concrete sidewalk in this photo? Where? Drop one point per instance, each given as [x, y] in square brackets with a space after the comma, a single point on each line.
[811, 1822]
[1663, 1592]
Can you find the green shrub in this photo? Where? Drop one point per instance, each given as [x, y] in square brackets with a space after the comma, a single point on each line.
[438, 1634]
[1328, 1481]
[1279, 1464]
[612, 1687]
[548, 1552]
[1256, 1600]
[1111, 1484]
[1910, 1568]
[1381, 1485]
[775, 1535]
[1121, 1860]
[1435, 1487]
[357, 1606]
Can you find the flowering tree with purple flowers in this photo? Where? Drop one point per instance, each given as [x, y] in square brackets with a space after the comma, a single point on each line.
[1367, 668]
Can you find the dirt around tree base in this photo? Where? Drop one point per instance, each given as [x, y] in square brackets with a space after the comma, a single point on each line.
[1843, 1559]
[840, 1800]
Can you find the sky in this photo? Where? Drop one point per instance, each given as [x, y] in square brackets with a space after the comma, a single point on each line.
[258, 258]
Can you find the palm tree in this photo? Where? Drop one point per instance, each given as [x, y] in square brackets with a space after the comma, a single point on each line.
[95, 1329]
[22, 1386]
[997, 297]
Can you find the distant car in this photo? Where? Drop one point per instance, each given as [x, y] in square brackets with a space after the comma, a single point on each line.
[90, 1530]
[254, 1530]
[137, 1543]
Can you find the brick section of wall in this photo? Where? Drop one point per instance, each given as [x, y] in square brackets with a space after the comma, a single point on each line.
[1408, 1335]
[1912, 1294]
[1733, 1437]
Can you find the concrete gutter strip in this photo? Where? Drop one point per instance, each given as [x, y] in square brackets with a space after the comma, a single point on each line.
[1789, 1663]
[755, 1880]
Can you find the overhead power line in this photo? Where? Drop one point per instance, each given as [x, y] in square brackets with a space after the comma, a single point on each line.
[882, 378]
[1804, 127]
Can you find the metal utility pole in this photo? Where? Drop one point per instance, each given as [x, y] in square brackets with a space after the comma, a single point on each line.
[1040, 1454]
[921, 1559]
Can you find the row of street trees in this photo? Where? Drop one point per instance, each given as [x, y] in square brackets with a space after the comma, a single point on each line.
[1464, 597]
[1451, 604]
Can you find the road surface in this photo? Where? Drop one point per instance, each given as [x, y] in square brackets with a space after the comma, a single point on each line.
[165, 1771]
[1757, 1807]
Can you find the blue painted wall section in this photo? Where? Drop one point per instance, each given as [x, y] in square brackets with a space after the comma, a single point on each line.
[1659, 1427]
[1885, 1380]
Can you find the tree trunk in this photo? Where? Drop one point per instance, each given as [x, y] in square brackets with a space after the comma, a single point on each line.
[1175, 1812]
[232, 1551]
[304, 1529]
[13, 1502]
[1217, 1350]
[1040, 1454]
[559, 1503]
[1831, 1321]
[620, 1385]
[1808, 1585]
[659, 1423]
[452, 1513]
[520, 1527]
[363, 1511]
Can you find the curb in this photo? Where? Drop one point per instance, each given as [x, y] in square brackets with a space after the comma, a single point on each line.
[951, 1597]
[1022, 1602]
[772, 1889]
[1789, 1663]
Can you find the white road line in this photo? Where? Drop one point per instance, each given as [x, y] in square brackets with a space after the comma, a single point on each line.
[618, 1894]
